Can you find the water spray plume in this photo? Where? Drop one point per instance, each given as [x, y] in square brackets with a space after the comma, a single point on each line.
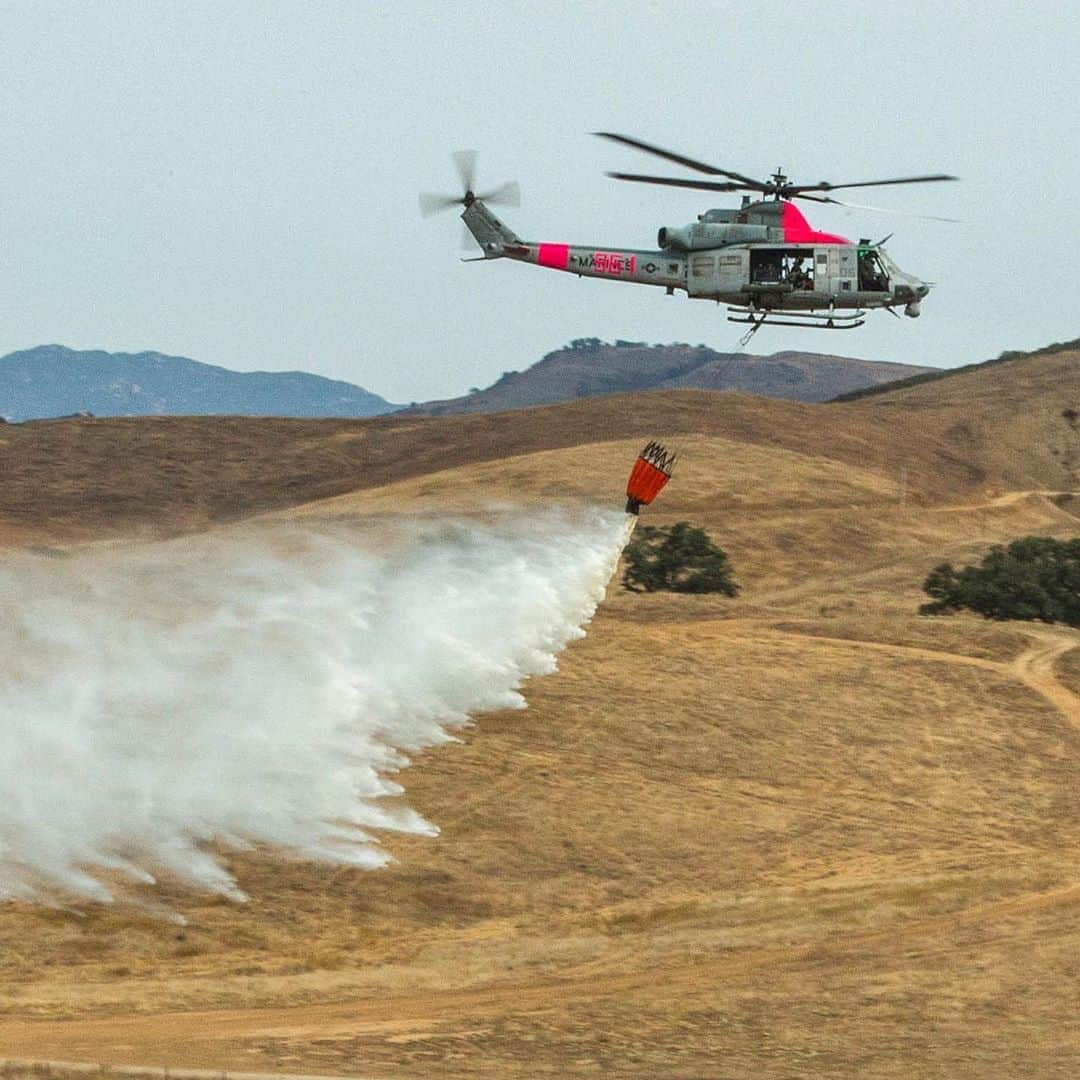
[650, 473]
[262, 688]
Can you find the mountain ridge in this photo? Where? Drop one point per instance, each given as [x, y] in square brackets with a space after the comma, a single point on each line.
[50, 381]
[588, 367]
[47, 381]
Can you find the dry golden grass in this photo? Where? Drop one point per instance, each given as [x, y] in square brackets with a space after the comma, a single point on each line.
[805, 832]
[995, 430]
[1068, 670]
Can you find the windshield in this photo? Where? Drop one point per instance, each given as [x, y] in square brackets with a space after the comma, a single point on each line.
[889, 265]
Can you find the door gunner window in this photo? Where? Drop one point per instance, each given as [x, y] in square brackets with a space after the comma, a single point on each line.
[775, 267]
[799, 270]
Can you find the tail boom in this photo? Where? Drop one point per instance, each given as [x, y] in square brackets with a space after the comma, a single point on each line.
[497, 240]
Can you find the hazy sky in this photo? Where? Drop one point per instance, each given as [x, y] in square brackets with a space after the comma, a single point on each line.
[238, 183]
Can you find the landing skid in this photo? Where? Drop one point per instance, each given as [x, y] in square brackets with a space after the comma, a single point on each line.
[829, 324]
[809, 320]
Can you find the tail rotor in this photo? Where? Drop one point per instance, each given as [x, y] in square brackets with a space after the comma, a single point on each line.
[508, 194]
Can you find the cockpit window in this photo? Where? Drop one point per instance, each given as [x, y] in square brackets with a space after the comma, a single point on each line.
[873, 276]
[889, 265]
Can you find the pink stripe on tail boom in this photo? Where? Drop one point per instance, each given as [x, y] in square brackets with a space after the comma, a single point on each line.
[557, 256]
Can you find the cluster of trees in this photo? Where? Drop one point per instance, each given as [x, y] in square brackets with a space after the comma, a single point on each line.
[1036, 578]
[594, 344]
[680, 558]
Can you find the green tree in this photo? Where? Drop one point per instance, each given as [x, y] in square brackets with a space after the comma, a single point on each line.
[676, 559]
[1035, 578]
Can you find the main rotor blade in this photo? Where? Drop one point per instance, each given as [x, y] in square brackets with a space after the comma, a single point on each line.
[680, 159]
[508, 194]
[465, 163]
[875, 209]
[673, 181]
[432, 204]
[795, 189]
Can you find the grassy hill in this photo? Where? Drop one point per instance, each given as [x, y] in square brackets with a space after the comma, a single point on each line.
[995, 427]
[948, 373]
[804, 832]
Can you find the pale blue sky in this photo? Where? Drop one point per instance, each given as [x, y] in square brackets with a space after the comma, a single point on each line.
[237, 183]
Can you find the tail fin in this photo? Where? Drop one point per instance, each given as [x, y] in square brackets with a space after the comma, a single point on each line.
[488, 231]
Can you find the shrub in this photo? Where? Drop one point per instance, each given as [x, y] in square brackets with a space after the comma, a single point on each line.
[1036, 578]
[676, 559]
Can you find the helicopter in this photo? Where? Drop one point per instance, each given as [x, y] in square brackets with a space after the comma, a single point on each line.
[762, 259]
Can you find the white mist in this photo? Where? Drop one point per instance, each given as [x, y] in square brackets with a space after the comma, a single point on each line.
[262, 687]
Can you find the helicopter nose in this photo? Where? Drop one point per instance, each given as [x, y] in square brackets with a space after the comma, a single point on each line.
[910, 293]
[911, 290]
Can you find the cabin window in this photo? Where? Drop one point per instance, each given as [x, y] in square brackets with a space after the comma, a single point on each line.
[767, 267]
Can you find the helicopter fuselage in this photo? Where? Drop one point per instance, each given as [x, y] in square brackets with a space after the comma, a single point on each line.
[764, 257]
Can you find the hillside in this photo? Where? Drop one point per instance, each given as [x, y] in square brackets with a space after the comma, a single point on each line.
[1020, 419]
[801, 833]
[948, 373]
[51, 380]
[590, 367]
[992, 429]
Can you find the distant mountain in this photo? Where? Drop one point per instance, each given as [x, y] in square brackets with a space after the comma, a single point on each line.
[51, 380]
[588, 367]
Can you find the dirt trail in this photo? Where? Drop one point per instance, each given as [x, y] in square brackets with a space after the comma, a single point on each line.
[1009, 498]
[191, 1036]
[1034, 667]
